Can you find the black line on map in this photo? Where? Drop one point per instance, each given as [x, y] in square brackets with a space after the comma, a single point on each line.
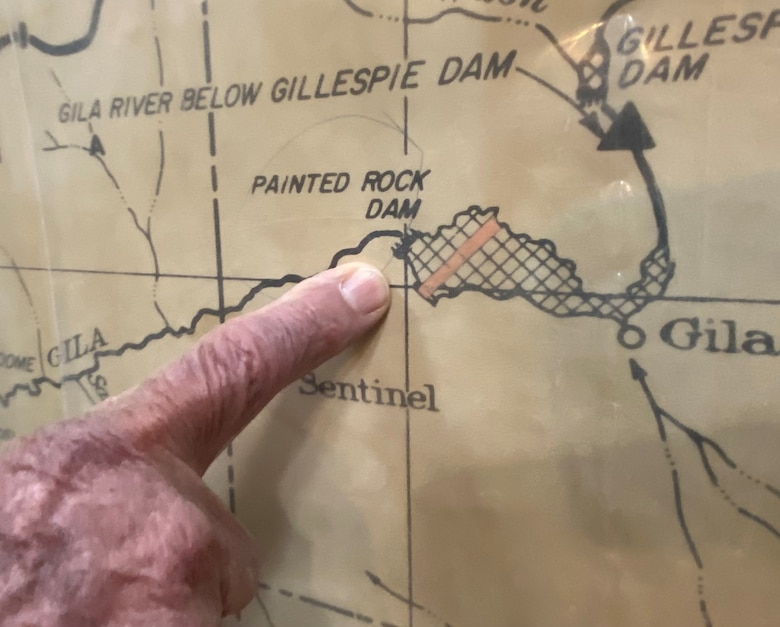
[103, 164]
[33, 388]
[347, 252]
[58, 146]
[28, 296]
[702, 443]
[406, 125]
[703, 610]
[157, 307]
[147, 236]
[160, 73]
[151, 243]
[162, 275]
[682, 522]
[212, 136]
[63, 146]
[109, 173]
[408, 449]
[327, 606]
[772, 490]
[406, 29]
[144, 231]
[39, 341]
[206, 51]
[318, 604]
[453, 11]
[742, 511]
[212, 277]
[264, 609]
[232, 499]
[607, 110]
[218, 250]
[374, 579]
[656, 197]
[213, 170]
[758, 520]
[639, 374]
[86, 392]
[557, 45]
[406, 600]
[721, 300]
[359, 10]
[71, 47]
[161, 169]
[22, 35]
[153, 206]
[128, 273]
[61, 87]
[158, 50]
[581, 110]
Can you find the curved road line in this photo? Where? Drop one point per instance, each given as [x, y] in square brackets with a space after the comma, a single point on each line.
[357, 9]
[57, 50]
[453, 10]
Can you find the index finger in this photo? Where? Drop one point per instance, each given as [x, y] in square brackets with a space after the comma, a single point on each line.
[195, 406]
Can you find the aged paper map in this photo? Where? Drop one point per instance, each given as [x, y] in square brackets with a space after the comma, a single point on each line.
[571, 416]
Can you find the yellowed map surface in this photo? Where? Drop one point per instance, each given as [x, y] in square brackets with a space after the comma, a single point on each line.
[570, 417]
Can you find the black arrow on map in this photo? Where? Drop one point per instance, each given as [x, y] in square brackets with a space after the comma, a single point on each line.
[637, 372]
[702, 443]
[630, 133]
[96, 146]
[591, 122]
[640, 374]
[383, 586]
[704, 446]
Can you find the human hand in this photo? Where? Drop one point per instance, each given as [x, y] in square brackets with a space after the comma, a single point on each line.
[105, 520]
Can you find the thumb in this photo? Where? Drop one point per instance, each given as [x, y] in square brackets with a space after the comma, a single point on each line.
[198, 404]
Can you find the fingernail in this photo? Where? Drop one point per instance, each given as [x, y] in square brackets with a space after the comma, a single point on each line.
[366, 290]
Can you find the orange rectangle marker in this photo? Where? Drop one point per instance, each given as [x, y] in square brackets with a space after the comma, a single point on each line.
[461, 255]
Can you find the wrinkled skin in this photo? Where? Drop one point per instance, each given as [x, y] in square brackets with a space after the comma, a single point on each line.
[105, 521]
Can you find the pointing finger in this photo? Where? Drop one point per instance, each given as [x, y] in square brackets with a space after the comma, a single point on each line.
[197, 404]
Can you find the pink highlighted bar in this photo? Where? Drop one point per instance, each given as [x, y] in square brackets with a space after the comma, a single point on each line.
[463, 253]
